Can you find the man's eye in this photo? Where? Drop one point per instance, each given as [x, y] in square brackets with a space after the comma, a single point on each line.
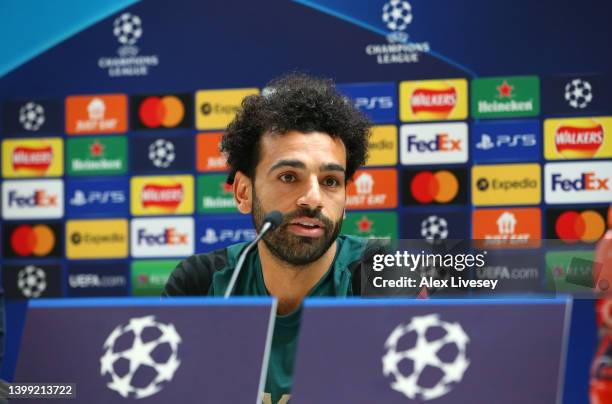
[331, 182]
[287, 178]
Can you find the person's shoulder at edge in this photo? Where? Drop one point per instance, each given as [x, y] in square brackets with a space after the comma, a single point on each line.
[193, 275]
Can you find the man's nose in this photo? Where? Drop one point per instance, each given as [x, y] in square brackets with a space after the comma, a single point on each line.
[312, 195]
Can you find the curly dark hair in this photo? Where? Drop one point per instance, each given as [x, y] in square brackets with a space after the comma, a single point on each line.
[295, 102]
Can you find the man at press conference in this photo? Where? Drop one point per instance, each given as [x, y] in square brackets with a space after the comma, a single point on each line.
[291, 150]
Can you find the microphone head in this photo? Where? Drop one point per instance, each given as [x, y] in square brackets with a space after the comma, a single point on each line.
[275, 218]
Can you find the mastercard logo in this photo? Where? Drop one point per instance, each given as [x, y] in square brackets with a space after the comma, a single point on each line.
[37, 240]
[161, 111]
[441, 187]
[587, 226]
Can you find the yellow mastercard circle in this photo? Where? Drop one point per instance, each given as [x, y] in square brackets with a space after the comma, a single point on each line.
[45, 240]
[448, 186]
[594, 226]
[174, 111]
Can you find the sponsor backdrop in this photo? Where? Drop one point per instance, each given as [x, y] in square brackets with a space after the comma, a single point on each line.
[114, 162]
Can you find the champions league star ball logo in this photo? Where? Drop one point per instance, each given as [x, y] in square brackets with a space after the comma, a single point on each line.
[32, 281]
[434, 229]
[430, 343]
[161, 153]
[127, 28]
[140, 357]
[32, 116]
[578, 93]
[397, 15]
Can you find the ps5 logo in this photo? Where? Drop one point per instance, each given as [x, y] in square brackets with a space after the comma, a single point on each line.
[370, 103]
[211, 236]
[81, 198]
[518, 140]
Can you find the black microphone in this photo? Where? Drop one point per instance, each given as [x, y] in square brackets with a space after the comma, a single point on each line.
[271, 221]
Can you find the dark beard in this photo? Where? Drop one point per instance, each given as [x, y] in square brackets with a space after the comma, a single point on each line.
[293, 249]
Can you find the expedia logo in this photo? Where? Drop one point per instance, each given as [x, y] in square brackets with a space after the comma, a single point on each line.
[169, 236]
[586, 182]
[96, 238]
[215, 109]
[227, 109]
[32, 158]
[506, 184]
[164, 196]
[484, 184]
[582, 141]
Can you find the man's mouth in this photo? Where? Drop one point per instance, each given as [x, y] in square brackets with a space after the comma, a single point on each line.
[306, 226]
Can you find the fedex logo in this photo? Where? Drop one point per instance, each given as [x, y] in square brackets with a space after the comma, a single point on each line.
[38, 198]
[169, 236]
[433, 143]
[580, 182]
[33, 199]
[586, 182]
[442, 142]
[162, 237]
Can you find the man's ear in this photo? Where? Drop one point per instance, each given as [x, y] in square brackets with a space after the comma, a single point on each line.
[243, 192]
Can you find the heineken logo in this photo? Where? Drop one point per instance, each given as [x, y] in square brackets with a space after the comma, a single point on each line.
[502, 97]
[98, 156]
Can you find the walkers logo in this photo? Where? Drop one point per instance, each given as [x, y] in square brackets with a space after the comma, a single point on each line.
[208, 152]
[433, 100]
[109, 279]
[32, 240]
[578, 138]
[435, 226]
[382, 146]
[161, 195]
[149, 277]
[41, 157]
[30, 199]
[106, 238]
[396, 17]
[504, 97]
[33, 117]
[97, 197]
[215, 195]
[218, 232]
[162, 237]
[576, 225]
[506, 184]
[378, 101]
[434, 143]
[93, 114]
[157, 154]
[506, 141]
[32, 281]
[97, 156]
[578, 182]
[163, 111]
[510, 228]
[217, 108]
[128, 29]
[372, 189]
[434, 187]
[371, 224]
[563, 95]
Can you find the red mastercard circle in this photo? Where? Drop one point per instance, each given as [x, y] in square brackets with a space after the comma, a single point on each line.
[23, 240]
[570, 226]
[424, 187]
[152, 112]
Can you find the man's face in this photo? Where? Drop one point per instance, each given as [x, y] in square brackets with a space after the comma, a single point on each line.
[302, 176]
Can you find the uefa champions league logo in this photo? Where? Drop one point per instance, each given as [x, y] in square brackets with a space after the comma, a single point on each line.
[434, 229]
[139, 365]
[446, 353]
[397, 15]
[32, 116]
[32, 281]
[161, 153]
[127, 28]
[578, 93]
